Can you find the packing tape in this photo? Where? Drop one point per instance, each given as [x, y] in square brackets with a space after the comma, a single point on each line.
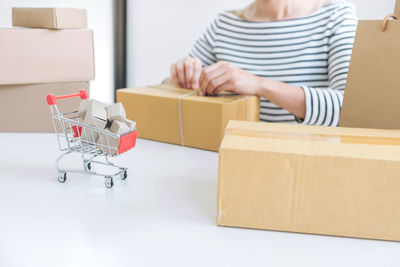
[180, 113]
[308, 137]
[180, 120]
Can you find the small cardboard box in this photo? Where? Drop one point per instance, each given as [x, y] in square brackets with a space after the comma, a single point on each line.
[116, 111]
[320, 180]
[108, 143]
[45, 56]
[180, 116]
[23, 108]
[50, 18]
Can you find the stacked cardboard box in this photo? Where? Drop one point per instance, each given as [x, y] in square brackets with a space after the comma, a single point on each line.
[38, 62]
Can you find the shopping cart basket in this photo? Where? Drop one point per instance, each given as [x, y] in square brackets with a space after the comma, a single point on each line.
[90, 142]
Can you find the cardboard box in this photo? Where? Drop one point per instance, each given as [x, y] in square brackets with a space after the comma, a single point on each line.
[131, 124]
[110, 144]
[94, 111]
[23, 108]
[180, 116]
[320, 180]
[115, 111]
[372, 95]
[50, 18]
[119, 127]
[45, 56]
[107, 143]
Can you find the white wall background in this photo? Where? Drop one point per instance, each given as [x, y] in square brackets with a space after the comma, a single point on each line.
[100, 19]
[161, 32]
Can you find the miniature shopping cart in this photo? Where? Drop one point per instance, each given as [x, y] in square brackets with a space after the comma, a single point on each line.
[90, 142]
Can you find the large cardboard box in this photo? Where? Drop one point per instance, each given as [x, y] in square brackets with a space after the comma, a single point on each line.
[180, 116]
[320, 180]
[50, 18]
[23, 108]
[30, 56]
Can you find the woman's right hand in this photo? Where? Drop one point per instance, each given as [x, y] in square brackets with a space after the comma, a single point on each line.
[186, 72]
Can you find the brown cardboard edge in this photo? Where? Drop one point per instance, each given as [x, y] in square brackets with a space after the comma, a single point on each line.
[308, 233]
[220, 217]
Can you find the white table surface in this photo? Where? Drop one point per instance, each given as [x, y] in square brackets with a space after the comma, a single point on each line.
[163, 215]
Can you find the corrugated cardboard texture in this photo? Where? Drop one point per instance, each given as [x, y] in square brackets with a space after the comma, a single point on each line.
[320, 180]
[45, 56]
[155, 109]
[50, 18]
[372, 95]
[23, 108]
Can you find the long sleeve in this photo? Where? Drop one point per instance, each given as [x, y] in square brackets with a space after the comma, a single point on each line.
[204, 46]
[323, 105]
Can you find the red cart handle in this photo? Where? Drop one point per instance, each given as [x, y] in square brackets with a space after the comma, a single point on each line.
[52, 99]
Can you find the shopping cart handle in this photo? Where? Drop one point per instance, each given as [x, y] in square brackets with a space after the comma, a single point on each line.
[52, 99]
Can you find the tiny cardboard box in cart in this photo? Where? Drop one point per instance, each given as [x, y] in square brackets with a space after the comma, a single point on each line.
[309, 179]
[180, 116]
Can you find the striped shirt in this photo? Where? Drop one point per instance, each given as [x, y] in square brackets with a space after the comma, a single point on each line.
[312, 52]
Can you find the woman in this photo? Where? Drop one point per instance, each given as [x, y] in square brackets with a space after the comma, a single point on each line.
[293, 54]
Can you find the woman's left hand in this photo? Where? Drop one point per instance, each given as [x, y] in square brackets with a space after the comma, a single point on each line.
[223, 76]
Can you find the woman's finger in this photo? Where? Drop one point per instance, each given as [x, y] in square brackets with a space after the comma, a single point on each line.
[180, 73]
[197, 67]
[207, 75]
[227, 86]
[174, 74]
[206, 70]
[216, 83]
[188, 69]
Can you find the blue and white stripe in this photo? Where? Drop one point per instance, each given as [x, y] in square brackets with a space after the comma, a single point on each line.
[312, 52]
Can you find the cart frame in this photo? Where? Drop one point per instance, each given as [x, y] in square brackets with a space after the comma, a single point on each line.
[73, 136]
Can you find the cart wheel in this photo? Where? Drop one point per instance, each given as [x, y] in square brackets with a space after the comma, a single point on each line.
[89, 166]
[124, 175]
[62, 177]
[109, 182]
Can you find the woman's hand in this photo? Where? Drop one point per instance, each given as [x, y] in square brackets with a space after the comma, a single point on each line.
[223, 76]
[186, 73]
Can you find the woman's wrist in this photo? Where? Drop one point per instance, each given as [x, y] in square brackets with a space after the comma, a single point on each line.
[265, 88]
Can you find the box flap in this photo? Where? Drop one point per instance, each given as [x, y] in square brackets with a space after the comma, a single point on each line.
[372, 95]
